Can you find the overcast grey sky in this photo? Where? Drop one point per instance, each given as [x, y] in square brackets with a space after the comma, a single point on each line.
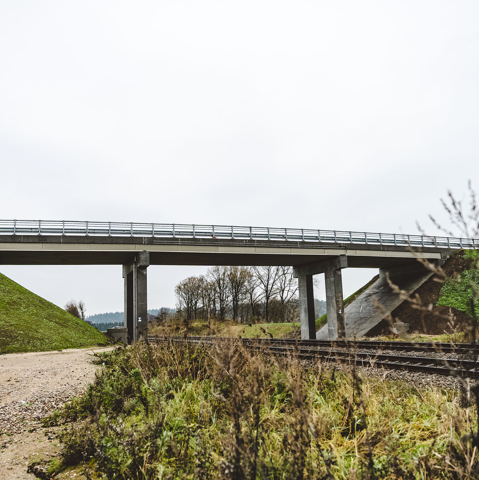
[324, 114]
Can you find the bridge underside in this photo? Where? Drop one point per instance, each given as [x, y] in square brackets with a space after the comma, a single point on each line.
[137, 253]
[55, 250]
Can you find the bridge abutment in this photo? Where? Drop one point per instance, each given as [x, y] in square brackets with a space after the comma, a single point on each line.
[136, 300]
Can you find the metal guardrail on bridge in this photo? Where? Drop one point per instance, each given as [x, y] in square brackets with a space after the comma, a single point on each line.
[172, 230]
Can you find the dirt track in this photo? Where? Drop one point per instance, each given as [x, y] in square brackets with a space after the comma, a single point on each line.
[31, 386]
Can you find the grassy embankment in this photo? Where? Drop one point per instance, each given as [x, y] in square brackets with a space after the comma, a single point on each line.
[29, 323]
[177, 411]
[458, 291]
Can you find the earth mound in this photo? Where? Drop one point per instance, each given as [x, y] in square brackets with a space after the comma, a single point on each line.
[29, 323]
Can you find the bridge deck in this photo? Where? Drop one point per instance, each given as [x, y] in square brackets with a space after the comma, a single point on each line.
[108, 250]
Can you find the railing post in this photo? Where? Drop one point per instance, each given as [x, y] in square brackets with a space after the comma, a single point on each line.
[174, 231]
[460, 242]
[87, 228]
[213, 230]
[39, 227]
[448, 242]
[194, 231]
[302, 234]
[14, 227]
[251, 233]
[350, 237]
[394, 237]
[319, 236]
[232, 234]
[366, 237]
[63, 227]
[109, 229]
[380, 239]
[335, 241]
[269, 238]
[422, 240]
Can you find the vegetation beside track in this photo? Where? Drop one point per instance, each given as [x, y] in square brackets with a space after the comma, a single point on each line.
[227, 328]
[181, 411]
[444, 338]
[458, 290]
[29, 323]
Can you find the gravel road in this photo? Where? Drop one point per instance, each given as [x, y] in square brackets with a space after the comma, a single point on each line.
[32, 385]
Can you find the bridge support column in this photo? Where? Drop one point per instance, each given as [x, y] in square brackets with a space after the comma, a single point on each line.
[136, 304]
[334, 302]
[306, 306]
[334, 296]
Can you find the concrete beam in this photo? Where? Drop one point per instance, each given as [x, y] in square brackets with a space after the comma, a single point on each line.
[408, 269]
[321, 266]
[98, 250]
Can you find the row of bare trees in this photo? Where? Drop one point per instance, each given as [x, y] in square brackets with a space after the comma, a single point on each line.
[241, 293]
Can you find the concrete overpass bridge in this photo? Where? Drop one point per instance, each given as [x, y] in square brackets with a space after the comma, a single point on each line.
[135, 246]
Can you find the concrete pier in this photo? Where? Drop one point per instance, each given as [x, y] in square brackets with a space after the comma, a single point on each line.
[306, 306]
[334, 301]
[334, 296]
[136, 302]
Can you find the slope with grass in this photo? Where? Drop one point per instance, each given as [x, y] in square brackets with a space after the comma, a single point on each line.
[29, 323]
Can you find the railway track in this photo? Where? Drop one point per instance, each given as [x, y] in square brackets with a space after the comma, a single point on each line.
[353, 353]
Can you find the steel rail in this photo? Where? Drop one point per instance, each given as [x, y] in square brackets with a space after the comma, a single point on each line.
[440, 366]
[435, 347]
[193, 231]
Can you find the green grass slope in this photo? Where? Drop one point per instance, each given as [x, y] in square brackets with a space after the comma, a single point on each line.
[29, 323]
[458, 290]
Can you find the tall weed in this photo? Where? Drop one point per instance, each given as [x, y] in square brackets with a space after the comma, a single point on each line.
[183, 411]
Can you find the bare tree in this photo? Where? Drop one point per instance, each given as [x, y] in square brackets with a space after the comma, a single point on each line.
[188, 295]
[237, 277]
[218, 276]
[72, 308]
[268, 284]
[76, 309]
[252, 293]
[162, 316]
[82, 310]
[207, 297]
[287, 288]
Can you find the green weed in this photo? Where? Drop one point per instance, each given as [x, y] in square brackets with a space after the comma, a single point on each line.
[181, 411]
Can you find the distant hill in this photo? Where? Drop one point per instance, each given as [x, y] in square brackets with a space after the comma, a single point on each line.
[117, 317]
[319, 307]
[29, 323]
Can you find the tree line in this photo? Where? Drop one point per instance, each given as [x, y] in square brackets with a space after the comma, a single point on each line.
[243, 294]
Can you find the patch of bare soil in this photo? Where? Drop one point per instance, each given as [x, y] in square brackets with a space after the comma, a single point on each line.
[438, 319]
[32, 385]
